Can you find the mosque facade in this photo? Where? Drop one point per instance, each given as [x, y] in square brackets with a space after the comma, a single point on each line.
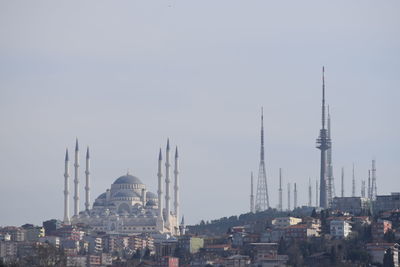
[127, 207]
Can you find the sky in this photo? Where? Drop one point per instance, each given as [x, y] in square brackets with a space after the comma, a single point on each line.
[123, 76]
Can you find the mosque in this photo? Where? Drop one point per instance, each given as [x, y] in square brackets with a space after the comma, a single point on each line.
[127, 207]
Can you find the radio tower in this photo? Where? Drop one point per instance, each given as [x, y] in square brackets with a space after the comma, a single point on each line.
[363, 188]
[309, 193]
[330, 179]
[295, 196]
[369, 185]
[288, 196]
[280, 190]
[323, 144]
[342, 191]
[262, 201]
[316, 193]
[353, 188]
[373, 186]
[251, 195]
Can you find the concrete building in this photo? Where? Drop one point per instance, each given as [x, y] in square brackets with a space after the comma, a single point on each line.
[386, 202]
[266, 255]
[340, 229]
[190, 244]
[380, 228]
[237, 261]
[283, 222]
[300, 232]
[8, 250]
[352, 205]
[378, 250]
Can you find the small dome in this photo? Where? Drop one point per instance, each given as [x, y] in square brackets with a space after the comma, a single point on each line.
[125, 194]
[128, 179]
[102, 196]
[150, 195]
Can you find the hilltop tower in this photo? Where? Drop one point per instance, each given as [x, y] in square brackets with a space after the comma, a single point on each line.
[309, 193]
[280, 190]
[330, 178]
[353, 187]
[323, 144]
[262, 201]
[373, 180]
[295, 196]
[342, 191]
[288, 196]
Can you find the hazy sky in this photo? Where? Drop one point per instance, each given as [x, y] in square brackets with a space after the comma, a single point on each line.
[123, 76]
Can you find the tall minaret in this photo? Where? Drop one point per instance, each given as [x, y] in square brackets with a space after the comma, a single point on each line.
[176, 187]
[353, 187]
[295, 196]
[280, 190]
[288, 196]
[262, 200]
[252, 195]
[160, 219]
[342, 191]
[66, 189]
[76, 181]
[330, 178]
[167, 182]
[87, 187]
[182, 227]
[323, 144]
[309, 193]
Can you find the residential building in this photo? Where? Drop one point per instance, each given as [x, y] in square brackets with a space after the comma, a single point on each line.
[386, 202]
[283, 222]
[380, 228]
[352, 205]
[237, 261]
[300, 232]
[340, 229]
[378, 250]
[266, 255]
[190, 244]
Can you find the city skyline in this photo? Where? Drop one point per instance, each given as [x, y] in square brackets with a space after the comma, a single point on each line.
[124, 94]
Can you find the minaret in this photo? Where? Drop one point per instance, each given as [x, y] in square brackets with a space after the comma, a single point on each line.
[160, 219]
[373, 179]
[288, 196]
[353, 187]
[76, 180]
[309, 193]
[262, 200]
[251, 195]
[176, 187]
[66, 189]
[167, 182]
[342, 191]
[295, 196]
[330, 178]
[182, 227]
[280, 190]
[87, 187]
[323, 144]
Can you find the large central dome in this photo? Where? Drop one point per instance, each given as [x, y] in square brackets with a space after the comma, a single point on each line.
[128, 179]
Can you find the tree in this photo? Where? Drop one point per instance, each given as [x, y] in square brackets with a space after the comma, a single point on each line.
[388, 258]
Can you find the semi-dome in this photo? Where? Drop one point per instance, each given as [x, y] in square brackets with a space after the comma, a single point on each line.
[150, 195]
[102, 196]
[128, 179]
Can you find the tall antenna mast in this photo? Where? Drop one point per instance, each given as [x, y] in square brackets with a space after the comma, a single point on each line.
[353, 189]
[280, 189]
[309, 193]
[262, 200]
[363, 188]
[252, 195]
[295, 196]
[316, 193]
[288, 196]
[342, 191]
[374, 187]
[323, 144]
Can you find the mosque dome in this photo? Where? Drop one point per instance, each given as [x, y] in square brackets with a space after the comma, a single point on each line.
[102, 196]
[128, 179]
